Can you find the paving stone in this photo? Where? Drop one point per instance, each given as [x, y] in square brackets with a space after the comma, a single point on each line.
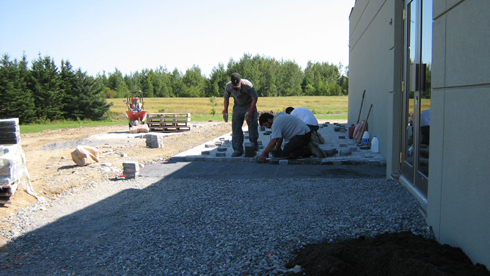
[222, 149]
[333, 145]
[154, 140]
[200, 158]
[178, 158]
[130, 169]
[233, 159]
[274, 161]
[345, 152]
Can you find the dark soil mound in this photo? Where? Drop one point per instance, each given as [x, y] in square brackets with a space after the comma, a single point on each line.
[387, 254]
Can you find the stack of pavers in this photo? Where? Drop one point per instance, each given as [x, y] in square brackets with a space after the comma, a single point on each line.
[250, 149]
[9, 131]
[154, 141]
[130, 169]
[12, 159]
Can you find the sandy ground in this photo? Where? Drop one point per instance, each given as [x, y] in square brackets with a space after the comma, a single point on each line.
[52, 170]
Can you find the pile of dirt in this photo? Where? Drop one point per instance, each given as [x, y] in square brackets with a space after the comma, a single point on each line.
[386, 254]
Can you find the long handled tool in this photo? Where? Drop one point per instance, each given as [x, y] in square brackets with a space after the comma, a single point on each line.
[352, 127]
[361, 127]
[362, 102]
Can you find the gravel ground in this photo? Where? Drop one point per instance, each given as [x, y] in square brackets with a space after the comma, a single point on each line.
[197, 226]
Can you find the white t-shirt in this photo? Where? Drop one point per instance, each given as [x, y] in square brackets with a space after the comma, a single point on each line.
[425, 118]
[305, 115]
[286, 126]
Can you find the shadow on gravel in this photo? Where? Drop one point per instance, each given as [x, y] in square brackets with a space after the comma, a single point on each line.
[245, 170]
[191, 222]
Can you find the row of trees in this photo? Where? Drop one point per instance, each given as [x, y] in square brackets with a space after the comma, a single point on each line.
[43, 92]
[270, 77]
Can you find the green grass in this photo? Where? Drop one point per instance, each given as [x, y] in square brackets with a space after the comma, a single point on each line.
[67, 124]
[200, 109]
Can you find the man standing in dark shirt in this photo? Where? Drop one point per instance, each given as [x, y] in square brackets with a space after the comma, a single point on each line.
[244, 108]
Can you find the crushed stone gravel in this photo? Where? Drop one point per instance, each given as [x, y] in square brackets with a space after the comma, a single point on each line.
[197, 226]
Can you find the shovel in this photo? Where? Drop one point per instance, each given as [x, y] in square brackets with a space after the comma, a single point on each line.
[352, 128]
[361, 127]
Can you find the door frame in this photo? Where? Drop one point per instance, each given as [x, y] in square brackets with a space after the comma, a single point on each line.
[413, 84]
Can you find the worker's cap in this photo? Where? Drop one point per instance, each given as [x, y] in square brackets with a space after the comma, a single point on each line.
[235, 80]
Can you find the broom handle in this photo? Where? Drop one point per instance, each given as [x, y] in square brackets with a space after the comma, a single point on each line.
[362, 102]
[369, 113]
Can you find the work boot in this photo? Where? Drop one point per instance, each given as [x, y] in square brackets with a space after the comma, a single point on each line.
[316, 150]
[237, 153]
[317, 137]
[320, 138]
[314, 137]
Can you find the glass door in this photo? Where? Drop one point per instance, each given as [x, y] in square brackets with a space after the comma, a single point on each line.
[417, 93]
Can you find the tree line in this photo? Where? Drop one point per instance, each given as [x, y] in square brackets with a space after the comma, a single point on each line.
[44, 92]
[270, 77]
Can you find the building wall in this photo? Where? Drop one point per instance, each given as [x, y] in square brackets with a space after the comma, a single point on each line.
[459, 187]
[371, 44]
[459, 176]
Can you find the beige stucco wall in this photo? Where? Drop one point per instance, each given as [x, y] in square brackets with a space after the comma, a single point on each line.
[372, 43]
[459, 186]
[459, 177]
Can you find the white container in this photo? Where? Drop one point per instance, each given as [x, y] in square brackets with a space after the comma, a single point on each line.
[365, 137]
[375, 144]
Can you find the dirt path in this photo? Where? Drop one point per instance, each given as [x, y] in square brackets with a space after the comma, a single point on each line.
[52, 170]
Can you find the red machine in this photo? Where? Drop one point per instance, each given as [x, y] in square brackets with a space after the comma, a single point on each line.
[136, 113]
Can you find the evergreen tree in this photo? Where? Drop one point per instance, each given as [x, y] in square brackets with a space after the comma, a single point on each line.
[145, 83]
[45, 84]
[116, 82]
[161, 83]
[193, 82]
[87, 99]
[217, 81]
[17, 97]
[178, 88]
[83, 95]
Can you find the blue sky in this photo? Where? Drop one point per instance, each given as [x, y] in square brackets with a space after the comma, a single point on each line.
[102, 35]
